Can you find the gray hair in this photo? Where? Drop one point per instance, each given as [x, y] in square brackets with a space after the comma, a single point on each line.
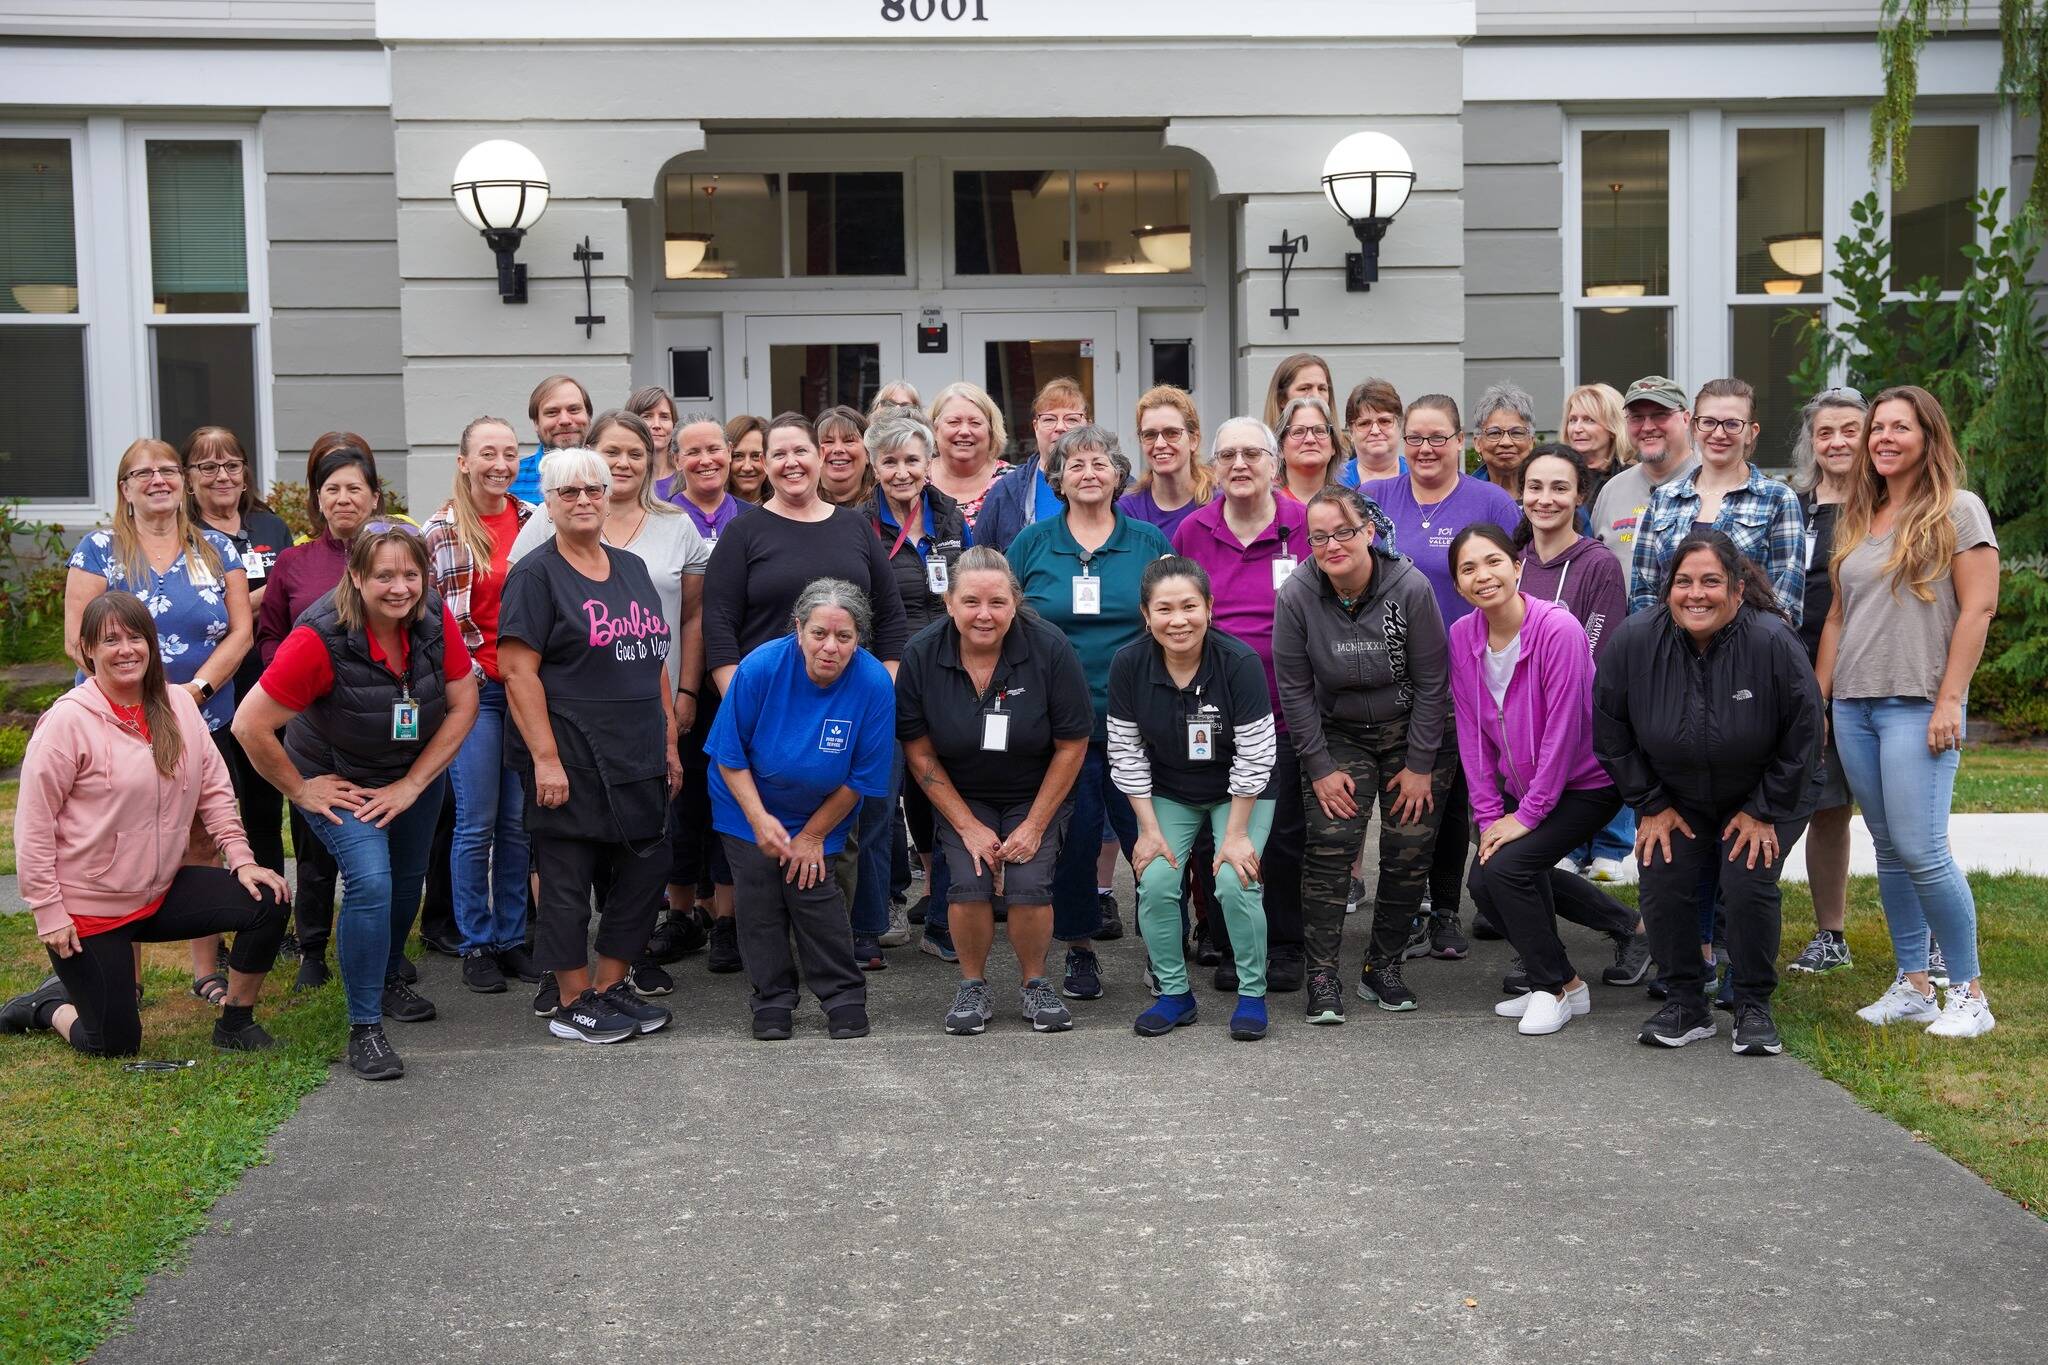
[1265, 433]
[1504, 395]
[1090, 437]
[1805, 468]
[896, 428]
[579, 465]
[984, 559]
[696, 416]
[833, 592]
[1308, 400]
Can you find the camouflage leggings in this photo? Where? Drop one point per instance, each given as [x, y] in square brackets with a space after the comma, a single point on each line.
[1372, 755]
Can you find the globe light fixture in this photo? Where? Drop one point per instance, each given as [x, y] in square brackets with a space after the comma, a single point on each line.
[501, 190]
[1367, 178]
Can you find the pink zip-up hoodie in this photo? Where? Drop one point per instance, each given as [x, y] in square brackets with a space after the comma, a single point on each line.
[98, 831]
[1539, 743]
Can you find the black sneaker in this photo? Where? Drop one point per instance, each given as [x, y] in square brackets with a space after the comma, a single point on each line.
[1756, 1033]
[649, 979]
[1446, 938]
[1083, 979]
[19, 1014]
[1678, 1023]
[1225, 979]
[1112, 918]
[441, 946]
[1207, 951]
[1658, 987]
[403, 1003]
[773, 1025]
[679, 935]
[592, 1019]
[1385, 988]
[1418, 939]
[1483, 927]
[847, 1021]
[1286, 968]
[1325, 997]
[249, 1037]
[548, 1002]
[518, 961]
[916, 913]
[867, 953]
[480, 972]
[370, 1054]
[313, 973]
[722, 955]
[648, 1018]
[1631, 960]
[1516, 982]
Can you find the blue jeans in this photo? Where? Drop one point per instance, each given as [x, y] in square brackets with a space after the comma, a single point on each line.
[381, 874]
[1076, 910]
[490, 850]
[1616, 840]
[1904, 792]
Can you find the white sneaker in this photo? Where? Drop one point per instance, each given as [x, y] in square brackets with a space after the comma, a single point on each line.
[1570, 864]
[1520, 1007]
[1964, 1016]
[1937, 965]
[1548, 1013]
[898, 932]
[1620, 871]
[1900, 1004]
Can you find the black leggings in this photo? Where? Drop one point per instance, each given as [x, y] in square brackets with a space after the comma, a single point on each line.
[100, 977]
[261, 806]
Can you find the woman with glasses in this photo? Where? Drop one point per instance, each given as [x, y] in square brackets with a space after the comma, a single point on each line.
[1504, 432]
[1372, 420]
[192, 580]
[1308, 449]
[972, 438]
[1725, 493]
[1175, 482]
[1027, 494]
[747, 437]
[1301, 375]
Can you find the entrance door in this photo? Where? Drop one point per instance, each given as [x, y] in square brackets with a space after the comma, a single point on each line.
[809, 363]
[1014, 355]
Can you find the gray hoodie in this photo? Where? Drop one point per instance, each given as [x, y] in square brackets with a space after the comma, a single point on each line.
[1390, 662]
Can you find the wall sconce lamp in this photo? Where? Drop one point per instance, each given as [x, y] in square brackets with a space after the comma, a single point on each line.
[1367, 178]
[501, 189]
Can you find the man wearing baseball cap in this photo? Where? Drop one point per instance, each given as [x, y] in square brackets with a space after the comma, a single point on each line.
[1660, 427]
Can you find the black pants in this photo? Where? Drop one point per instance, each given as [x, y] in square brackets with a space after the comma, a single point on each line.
[698, 858]
[1750, 897]
[1453, 838]
[313, 902]
[261, 806]
[771, 912]
[437, 910]
[100, 977]
[569, 869]
[1279, 864]
[1521, 889]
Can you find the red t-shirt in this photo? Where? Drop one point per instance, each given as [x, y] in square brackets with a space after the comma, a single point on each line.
[300, 673]
[137, 720]
[486, 590]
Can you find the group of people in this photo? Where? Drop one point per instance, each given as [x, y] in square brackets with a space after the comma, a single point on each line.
[719, 683]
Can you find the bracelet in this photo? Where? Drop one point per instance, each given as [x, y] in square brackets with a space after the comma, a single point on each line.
[689, 692]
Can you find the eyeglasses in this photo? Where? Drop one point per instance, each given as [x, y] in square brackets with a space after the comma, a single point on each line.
[1506, 433]
[384, 528]
[1415, 442]
[589, 492]
[1248, 455]
[1314, 433]
[1341, 534]
[157, 471]
[1061, 421]
[1174, 434]
[215, 468]
[1709, 425]
[1377, 423]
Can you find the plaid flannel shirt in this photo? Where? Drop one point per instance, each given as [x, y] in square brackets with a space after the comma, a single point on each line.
[1762, 517]
[455, 568]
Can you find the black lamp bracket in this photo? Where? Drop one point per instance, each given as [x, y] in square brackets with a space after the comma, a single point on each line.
[1285, 249]
[1362, 267]
[583, 255]
[511, 275]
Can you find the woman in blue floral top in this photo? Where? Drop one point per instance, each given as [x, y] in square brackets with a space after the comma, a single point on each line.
[197, 592]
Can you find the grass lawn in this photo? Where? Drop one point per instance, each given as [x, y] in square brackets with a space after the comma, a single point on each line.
[103, 1172]
[2002, 778]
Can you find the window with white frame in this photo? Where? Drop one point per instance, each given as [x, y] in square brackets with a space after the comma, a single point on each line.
[45, 446]
[1932, 215]
[1779, 247]
[1071, 221]
[1624, 304]
[739, 225]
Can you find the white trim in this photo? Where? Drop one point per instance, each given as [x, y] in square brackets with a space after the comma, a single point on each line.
[1717, 71]
[130, 75]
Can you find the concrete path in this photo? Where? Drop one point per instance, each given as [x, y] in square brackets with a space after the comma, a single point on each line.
[1421, 1187]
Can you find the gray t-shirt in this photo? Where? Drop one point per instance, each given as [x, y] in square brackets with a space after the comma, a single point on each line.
[1621, 504]
[1893, 644]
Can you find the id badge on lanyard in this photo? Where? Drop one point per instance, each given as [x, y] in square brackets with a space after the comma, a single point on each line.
[1202, 731]
[935, 576]
[405, 719]
[1087, 593]
[995, 728]
[1283, 569]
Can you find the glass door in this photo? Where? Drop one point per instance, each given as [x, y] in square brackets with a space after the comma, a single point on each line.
[1014, 355]
[807, 364]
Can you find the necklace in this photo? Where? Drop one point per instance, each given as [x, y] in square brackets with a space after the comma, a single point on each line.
[623, 541]
[1430, 510]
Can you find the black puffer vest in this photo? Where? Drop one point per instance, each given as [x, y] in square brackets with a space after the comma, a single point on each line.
[348, 731]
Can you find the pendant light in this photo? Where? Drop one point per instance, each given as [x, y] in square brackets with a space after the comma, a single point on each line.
[1171, 247]
[683, 252]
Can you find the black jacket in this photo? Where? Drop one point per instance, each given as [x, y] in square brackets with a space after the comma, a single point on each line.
[1735, 728]
[949, 538]
[347, 732]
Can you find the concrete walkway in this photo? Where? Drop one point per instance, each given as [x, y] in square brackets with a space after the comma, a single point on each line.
[1421, 1187]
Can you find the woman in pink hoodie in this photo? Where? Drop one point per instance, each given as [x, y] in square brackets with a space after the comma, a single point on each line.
[113, 776]
[1522, 693]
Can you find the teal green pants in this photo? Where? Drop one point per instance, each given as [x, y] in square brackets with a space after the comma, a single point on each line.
[1244, 907]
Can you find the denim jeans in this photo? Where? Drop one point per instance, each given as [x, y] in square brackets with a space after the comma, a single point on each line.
[1616, 840]
[490, 852]
[381, 874]
[1076, 909]
[1904, 792]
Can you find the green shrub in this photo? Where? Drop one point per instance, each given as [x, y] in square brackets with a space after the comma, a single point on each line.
[32, 556]
[13, 744]
[288, 500]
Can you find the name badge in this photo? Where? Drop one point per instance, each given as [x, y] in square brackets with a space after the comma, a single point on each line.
[1812, 540]
[1283, 569]
[405, 720]
[256, 565]
[1087, 596]
[198, 575]
[935, 573]
[995, 732]
[1201, 741]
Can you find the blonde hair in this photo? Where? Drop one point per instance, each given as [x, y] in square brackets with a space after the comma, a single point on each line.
[467, 519]
[1923, 539]
[128, 539]
[1201, 474]
[1602, 403]
[977, 396]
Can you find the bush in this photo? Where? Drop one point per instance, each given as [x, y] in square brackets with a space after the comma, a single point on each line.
[288, 500]
[13, 744]
[32, 557]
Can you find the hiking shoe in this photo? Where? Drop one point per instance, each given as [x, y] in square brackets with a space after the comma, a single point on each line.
[548, 1002]
[407, 972]
[938, 943]
[1043, 1007]
[313, 973]
[1286, 968]
[1612, 871]
[1248, 1020]
[722, 952]
[19, 1014]
[592, 1019]
[1678, 1023]
[971, 1011]
[1354, 896]
[1418, 939]
[1824, 952]
[1963, 1016]
[647, 978]
[898, 932]
[1166, 1014]
[480, 972]
[646, 1016]
[772, 1025]
[517, 961]
[249, 1037]
[1446, 939]
[1325, 997]
[1900, 1004]
[370, 1054]
[1225, 978]
[1083, 978]
[403, 1003]
[1112, 918]
[1631, 960]
[846, 1021]
[679, 934]
[1385, 988]
[1516, 982]
[1756, 1034]
[867, 953]
[1937, 964]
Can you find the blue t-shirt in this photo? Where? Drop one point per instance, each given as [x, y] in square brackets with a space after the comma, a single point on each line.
[189, 606]
[1424, 533]
[1348, 475]
[801, 742]
[1045, 503]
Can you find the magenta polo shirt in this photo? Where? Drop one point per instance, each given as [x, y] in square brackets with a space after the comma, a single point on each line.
[1241, 575]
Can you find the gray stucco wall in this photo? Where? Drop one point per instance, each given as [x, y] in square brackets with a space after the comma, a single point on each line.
[330, 201]
[1514, 255]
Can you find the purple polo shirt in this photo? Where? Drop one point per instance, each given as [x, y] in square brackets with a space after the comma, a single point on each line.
[1142, 506]
[1429, 546]
[1241, 575]
[708, 524]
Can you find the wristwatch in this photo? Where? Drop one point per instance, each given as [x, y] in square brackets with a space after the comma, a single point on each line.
[206, 689]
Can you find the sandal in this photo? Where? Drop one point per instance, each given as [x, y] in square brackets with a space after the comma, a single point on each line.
[212, 988]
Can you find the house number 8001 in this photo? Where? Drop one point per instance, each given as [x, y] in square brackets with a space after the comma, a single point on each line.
[923, 11]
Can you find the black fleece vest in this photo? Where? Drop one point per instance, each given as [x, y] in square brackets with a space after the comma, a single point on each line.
[348, 731]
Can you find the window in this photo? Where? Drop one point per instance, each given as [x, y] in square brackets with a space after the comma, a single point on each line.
[1623, 308]
[45, 450]
[1931, 217]
[748, 226]
[1780, 253]
[1120, 221]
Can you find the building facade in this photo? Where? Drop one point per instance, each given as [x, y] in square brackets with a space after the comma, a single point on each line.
[238, 211]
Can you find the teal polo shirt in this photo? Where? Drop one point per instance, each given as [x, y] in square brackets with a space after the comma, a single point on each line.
[1047, 559]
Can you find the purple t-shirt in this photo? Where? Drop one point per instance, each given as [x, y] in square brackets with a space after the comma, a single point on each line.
[709, 524]
[1142, 506]
[1424, 534]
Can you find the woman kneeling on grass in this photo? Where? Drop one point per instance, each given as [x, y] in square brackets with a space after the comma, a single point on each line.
[114, 774]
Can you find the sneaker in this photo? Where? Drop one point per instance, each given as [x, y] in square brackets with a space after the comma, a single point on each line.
[1631, 960]
[648, 1018]
[1083, 979]
[1678, 1023]
[403, 1003]
[1166, 1014]
[722, 953]
[1659, 987]
[548, 1002]
[1569, 864]
[1724, 994]
[1248, 1020]
[939, 943]
[647, 978]
[772, 1025]
[1418, 939]
[1112, 918]
[898, 932]
[249, 1037]
[407, 972]
[440, 946]
[19, 1014]
[867, 953]
[313, 973]
[1963, 1015]
[1043, 1008]
[1446, 939]
[480, 972]
[679, 935]
[971, 1011]
[1484, 928]
[1385, 988]
[1516, 982]
[1207, 951]
[591, 1019]
[1286, 968]
[1325, 997]
[1613, 871]
[1900, 1004]
[847, 1021]
[1152, 986]
[370, 1054]
[1937, 965]
[1824, 952]
[918, 909]
[1756, 1033]
[1543, 1012]
[1354, 896]
[517, 961]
